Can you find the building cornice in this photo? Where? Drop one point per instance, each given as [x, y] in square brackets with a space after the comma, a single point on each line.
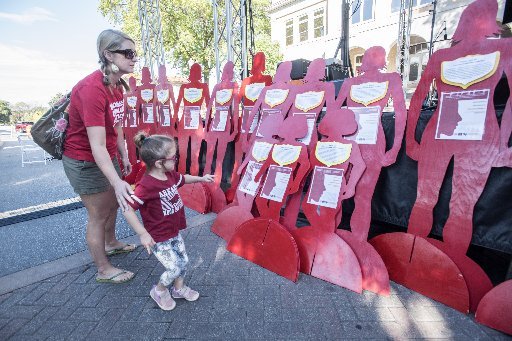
[282, 4]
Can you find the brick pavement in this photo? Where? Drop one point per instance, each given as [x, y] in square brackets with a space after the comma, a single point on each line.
[239, 300]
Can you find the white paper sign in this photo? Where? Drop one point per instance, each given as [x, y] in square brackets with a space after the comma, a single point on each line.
[368, 120]
[191, 117]
[247, 184]
[264, 114]
[469, 70]
[162, 95]
[260, 150]
[285, 154]
[131, 101]
[275, 97]
[193, 95]
[223, 118]
[462, 115]
[332, 153]
[223, 96]
[146, 95]
[167, 117]
[276, 183]
[309, 100]
[149, 116]
[367, 93]
[325, 187]
[252, 91]
[245, 115]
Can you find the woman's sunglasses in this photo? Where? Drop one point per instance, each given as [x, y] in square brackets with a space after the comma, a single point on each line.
[174, 159]
[128, 53]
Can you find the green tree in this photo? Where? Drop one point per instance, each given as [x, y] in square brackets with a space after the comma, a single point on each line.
[5, 112]
[188, 30]
[56, 98]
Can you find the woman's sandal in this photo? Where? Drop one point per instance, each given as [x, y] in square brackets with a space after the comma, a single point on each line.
[114, 279]
[123, 249]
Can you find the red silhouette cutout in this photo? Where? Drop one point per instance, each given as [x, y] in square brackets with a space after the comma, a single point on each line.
[190, 126]
[465, 74]
[147, 101]
[221, 129]
[308, 103]
[275, 98]
[264, 240]
[165, 104]
[131, 127]
[239, 211]
[323, 253]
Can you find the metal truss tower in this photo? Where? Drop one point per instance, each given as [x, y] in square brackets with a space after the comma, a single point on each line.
[231, 20]
[403, 42]
[151, 31]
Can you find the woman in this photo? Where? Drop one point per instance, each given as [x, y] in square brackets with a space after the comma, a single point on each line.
[93, 138]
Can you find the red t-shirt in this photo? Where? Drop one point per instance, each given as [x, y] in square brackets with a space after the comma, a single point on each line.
[92, 104]
[162, 211]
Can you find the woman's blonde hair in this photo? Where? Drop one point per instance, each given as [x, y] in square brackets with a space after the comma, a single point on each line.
[110, 40]
[153, 148]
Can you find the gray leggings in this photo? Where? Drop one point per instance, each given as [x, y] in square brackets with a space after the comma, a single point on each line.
[173, 256]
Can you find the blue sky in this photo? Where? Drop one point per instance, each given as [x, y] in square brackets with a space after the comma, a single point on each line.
[46, 47]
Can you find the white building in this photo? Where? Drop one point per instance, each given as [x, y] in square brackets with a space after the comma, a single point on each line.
[311, 29]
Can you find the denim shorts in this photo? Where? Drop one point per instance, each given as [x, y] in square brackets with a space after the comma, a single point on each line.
[86, 177]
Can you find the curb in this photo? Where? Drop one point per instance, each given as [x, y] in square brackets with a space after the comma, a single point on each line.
[44, 271]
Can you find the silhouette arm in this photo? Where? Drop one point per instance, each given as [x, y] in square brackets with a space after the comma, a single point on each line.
[209, 109]
[265, 166]
[358, 168]
[412, 146]
[236, 112]
[302, 170]
[343, 94]
[400, 118]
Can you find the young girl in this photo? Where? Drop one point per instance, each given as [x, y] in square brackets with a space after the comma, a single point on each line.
[163, 215]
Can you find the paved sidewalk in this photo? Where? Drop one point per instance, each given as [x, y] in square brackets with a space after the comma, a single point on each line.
[239, 300]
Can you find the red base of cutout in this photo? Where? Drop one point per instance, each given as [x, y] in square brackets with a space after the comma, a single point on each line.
[373, 269]
[326, 256]
[494, 308]
[267, 243]
[415, 263]
[228, 221]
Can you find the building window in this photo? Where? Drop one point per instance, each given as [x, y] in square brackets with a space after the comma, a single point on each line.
[289, 32]
[362, 10]
[318, 21]
[358, 63]
[303, 27]
[418, 57]
[395, 5]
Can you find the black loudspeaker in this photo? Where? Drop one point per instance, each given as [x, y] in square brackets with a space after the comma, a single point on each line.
[337, 85]
[299, 68]
[334, 70]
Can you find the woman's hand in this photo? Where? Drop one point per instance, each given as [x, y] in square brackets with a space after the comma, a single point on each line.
[208, 178]
[147, 241]
[127, 166]
[123, 193]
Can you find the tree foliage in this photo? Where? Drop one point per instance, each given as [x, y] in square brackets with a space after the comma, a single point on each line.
[188, 30]
[5, 112]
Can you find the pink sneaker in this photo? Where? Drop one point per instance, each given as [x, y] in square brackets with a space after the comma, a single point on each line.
[186, 293]
[164, 300]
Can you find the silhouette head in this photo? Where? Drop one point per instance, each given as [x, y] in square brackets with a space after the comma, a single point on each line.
[374, 59]
[132, 83]
[270, 125]
[258, 63]
[162, 74]
[337, 123]
[293, 127]
[195, 73]
[146, 75]
[283, 73]
[477, 21]
[316, 71]
[227, 72]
